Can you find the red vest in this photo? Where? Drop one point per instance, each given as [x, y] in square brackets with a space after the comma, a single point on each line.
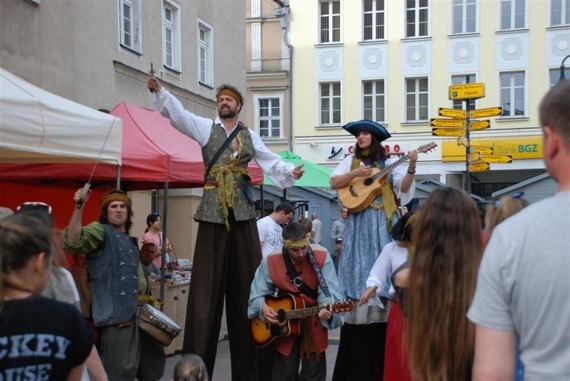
[281, 279]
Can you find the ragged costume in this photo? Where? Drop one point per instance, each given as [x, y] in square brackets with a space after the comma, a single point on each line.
[227, 248]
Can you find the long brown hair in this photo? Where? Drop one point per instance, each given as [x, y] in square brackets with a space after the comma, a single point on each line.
[22, 237]
[376, 151]
[442, 279]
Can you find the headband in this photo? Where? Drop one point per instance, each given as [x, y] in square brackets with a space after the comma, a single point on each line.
[297, 244]
[106, 200]
[231, 93]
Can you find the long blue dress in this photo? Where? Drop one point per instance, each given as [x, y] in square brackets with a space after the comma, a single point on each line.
[361, 349]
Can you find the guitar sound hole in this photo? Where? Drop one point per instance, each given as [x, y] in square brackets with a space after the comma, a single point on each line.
[368, 181]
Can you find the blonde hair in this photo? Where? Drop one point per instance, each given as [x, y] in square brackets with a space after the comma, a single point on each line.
[494, 215]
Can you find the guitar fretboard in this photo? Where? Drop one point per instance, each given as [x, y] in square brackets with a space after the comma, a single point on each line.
[389, 168]
[302, 313]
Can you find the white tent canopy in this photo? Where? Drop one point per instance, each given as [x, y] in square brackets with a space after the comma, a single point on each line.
[40, 127]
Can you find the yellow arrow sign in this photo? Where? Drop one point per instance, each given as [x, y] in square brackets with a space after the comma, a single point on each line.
[478, 167]
[480, 125]
[452, 112]
[483, 112]
[447, 131]
[467, 91]
[439, 122]
[497, 158]
[475, 156]
[482, 149]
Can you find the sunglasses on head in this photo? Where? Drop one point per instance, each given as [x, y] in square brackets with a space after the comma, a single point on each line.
[34, 205]
[514, 195]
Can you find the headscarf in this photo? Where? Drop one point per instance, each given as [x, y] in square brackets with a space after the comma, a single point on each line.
[109, 198]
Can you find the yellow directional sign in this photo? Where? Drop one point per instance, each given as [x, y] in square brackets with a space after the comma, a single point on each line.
[439, 122]
[478, 166]
[452, 112]
[448, 131]
[483, 112]
[467, 91]
[482, 149]
[462, 141]
[480, 125]
[497, 158]
[475, 156]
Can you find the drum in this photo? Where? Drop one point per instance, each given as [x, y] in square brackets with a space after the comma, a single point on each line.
[157, 324]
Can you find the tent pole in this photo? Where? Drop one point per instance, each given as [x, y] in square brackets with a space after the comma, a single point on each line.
[118, 185]
[163, 248]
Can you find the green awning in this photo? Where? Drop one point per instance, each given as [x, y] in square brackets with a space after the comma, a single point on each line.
[315, 175]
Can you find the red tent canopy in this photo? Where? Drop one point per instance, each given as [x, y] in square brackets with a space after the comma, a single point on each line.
[153, 153]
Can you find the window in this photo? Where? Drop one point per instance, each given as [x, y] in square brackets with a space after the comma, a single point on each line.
[171, 35]
[330, 21]
[554, 75]
[205, 57]
[512, 14]
[374, 24]
[416, 18]
[330, 101]
[464, 16]
[459, 80]
[416, 99]
[512, 94]
[268, 113]
[373, 98]
[559, 12]
[129, 24]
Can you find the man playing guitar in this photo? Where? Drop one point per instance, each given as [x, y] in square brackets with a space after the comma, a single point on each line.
[308, 274]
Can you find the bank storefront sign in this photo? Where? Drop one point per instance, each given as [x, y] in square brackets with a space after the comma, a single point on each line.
[520, 148]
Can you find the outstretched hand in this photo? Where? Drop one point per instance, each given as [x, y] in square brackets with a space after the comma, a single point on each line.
[298, 171]
[153, 84]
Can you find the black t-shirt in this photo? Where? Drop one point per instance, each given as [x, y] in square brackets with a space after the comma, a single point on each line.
[41, 339]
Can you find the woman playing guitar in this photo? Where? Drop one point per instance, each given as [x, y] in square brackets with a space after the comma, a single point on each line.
[361, 349]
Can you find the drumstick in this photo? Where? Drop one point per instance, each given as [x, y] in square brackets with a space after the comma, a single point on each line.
[173, 297]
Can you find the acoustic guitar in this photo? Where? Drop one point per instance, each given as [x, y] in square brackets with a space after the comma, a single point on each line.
[290, 310]
[360, 192]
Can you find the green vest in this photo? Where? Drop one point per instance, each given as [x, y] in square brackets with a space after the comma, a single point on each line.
[210, 209]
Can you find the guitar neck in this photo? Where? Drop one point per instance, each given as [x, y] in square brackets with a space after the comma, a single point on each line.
[387, 169]
[302, 312]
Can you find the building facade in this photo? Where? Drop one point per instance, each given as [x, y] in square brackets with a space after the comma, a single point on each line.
[268, 52]
[394, 61]
[99, 53]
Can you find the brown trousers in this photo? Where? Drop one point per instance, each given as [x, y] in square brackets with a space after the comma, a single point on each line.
[224, 265]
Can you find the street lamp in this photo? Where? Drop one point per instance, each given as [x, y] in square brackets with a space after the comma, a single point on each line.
[562, 68]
